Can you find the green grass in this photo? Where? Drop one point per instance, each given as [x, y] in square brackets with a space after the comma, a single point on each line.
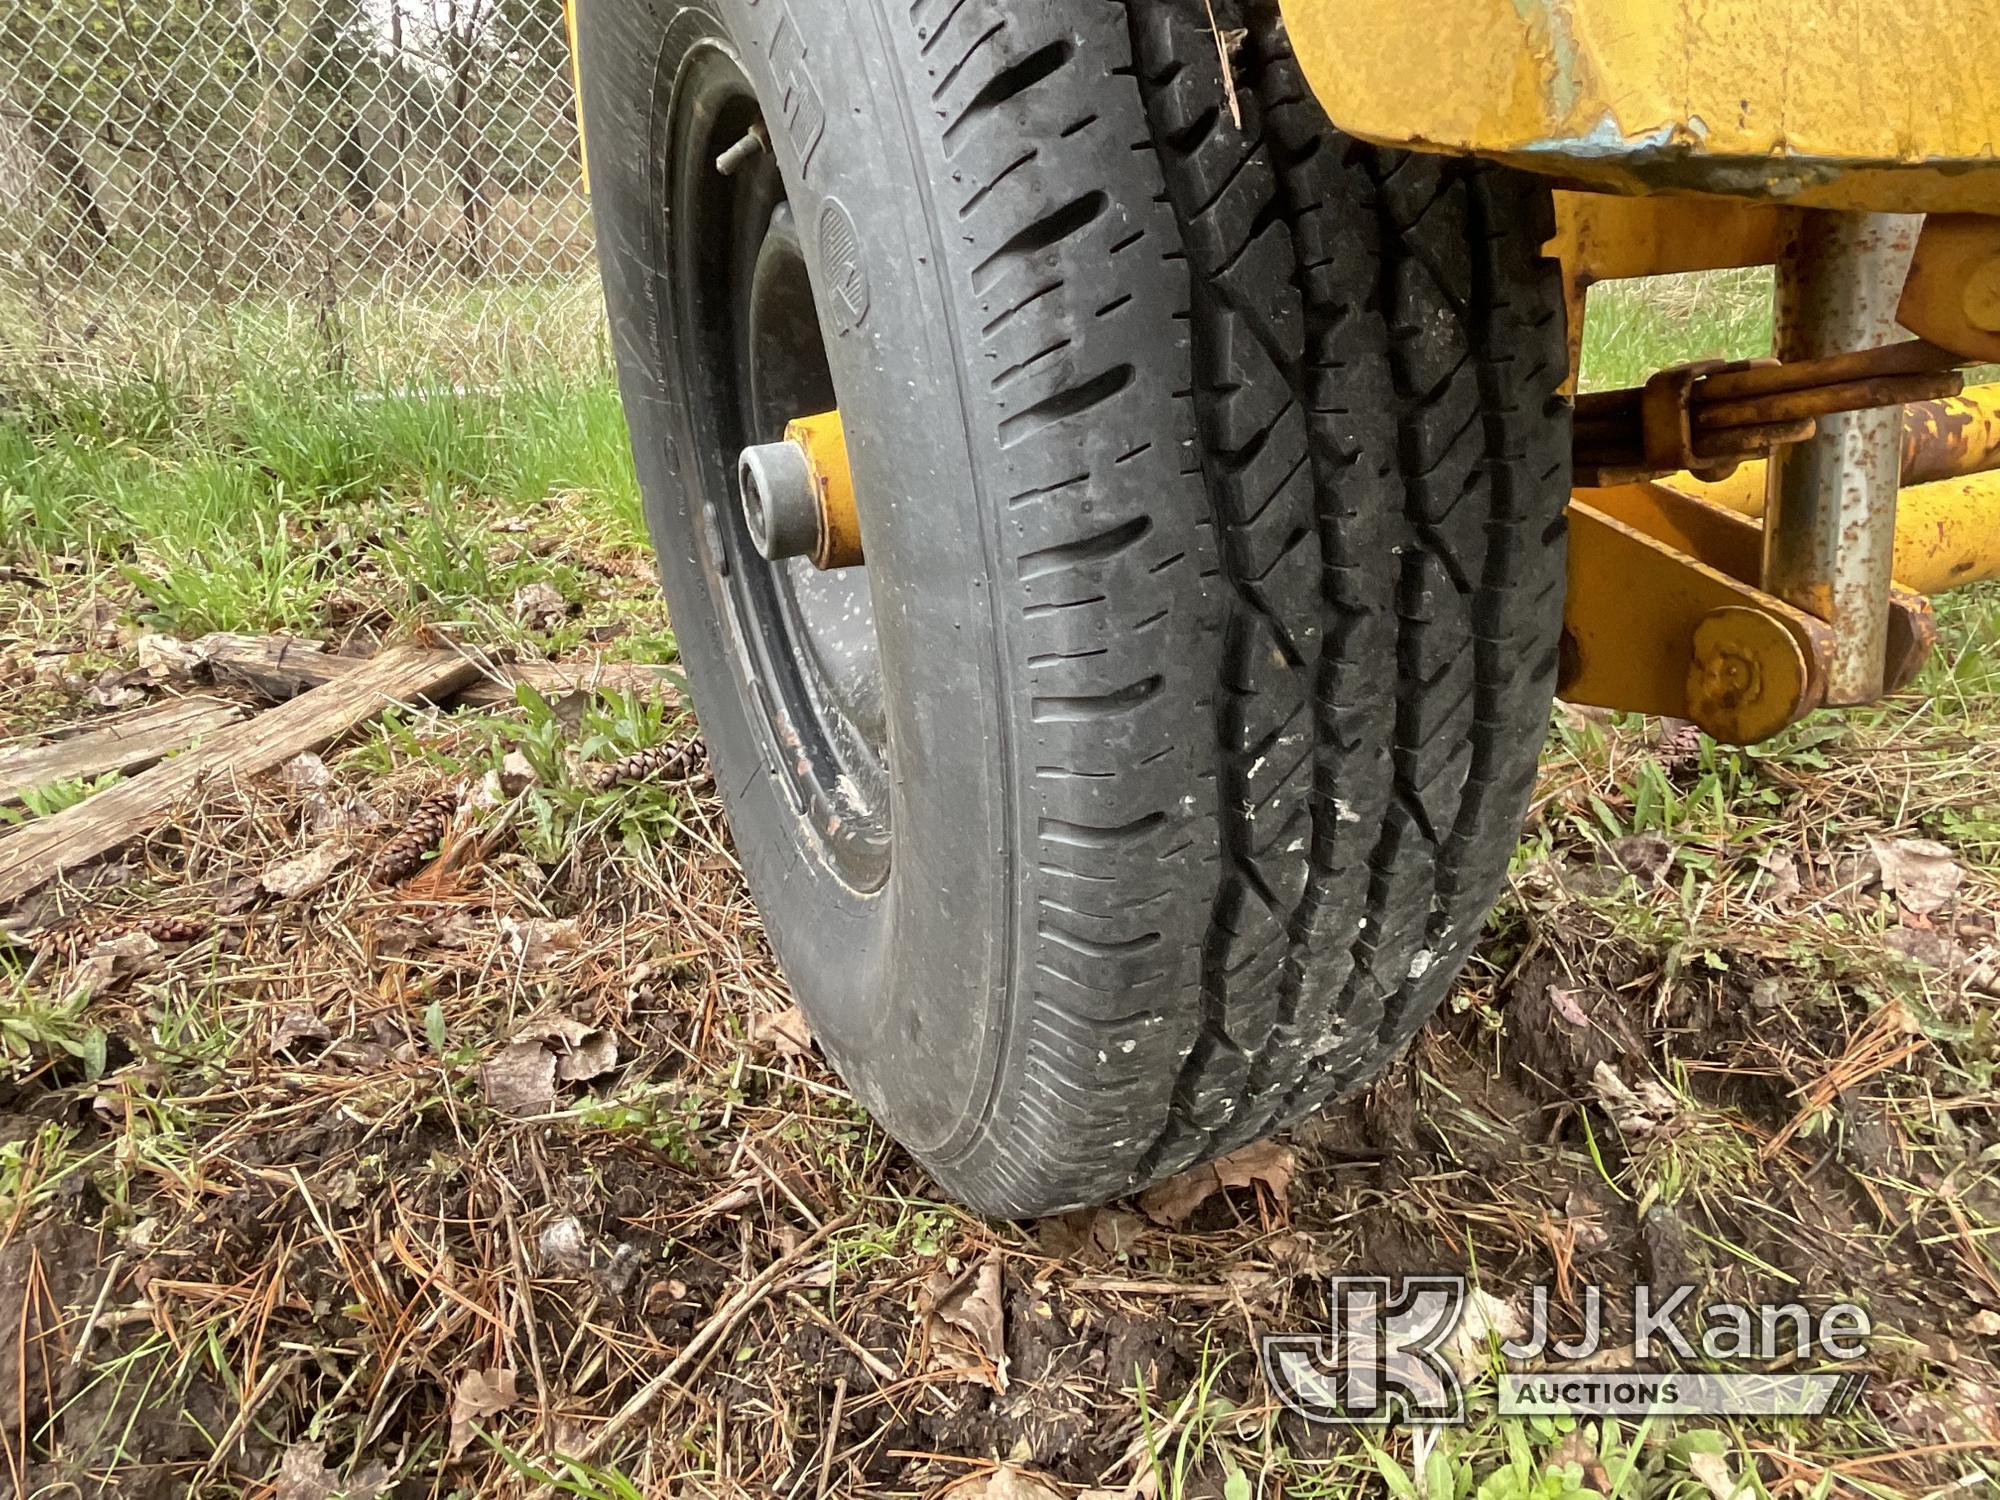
[1635, 327]
[255, 511]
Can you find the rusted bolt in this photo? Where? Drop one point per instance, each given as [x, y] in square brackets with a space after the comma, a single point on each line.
[1747, 678]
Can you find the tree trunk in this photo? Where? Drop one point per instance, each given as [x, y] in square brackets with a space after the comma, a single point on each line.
[53, 143]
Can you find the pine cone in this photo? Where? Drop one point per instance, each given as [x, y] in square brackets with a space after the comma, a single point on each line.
[74, 942]
[680, 762]
[174, 929]
[422, 832]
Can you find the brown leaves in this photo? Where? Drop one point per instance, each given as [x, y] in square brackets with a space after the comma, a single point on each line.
[539, 942]
[1264, 1164]
[964, 1322]
[785, 1032]
[521, 1078]
[301, 875]
[1645, 1109]
[1008, 1482]
[1921, 874]
[540, 606]
[480, 1394]
[303, 1475]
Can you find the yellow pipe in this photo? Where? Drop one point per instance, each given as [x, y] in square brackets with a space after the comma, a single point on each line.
[1947, 531]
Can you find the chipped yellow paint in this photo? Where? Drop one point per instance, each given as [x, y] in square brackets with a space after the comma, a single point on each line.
[1891, 106]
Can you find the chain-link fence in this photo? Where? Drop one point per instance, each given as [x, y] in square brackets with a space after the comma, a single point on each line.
[384, 187]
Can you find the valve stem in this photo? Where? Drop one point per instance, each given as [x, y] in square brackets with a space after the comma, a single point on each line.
[753, 145]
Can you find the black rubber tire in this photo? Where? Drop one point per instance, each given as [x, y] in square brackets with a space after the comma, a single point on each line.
[1212, 481]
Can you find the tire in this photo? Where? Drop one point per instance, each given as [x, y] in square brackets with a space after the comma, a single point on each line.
[1212, 482]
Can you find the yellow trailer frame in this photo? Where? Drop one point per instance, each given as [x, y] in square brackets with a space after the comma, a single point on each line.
[1702, 134]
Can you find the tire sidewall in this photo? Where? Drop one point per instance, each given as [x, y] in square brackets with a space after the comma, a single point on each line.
[904, 987]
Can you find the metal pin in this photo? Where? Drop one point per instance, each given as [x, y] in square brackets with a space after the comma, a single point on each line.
[745, 151]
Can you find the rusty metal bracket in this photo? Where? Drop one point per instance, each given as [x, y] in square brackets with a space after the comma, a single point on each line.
[1709, 416]
[1665, 616]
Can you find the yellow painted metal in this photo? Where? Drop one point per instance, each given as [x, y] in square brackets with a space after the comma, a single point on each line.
[1817, 103]
[1733, 544]
[1604, 237]
[1952, 296]
[1748, 678]
[1947, 530]
[1650, 629]
[824, 440]
[576, 81]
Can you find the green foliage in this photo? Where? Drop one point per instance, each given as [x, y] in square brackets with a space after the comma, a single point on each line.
[35, 1028]
[242, 514]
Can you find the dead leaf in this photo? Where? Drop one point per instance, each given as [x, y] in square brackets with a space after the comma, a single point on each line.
[299, 1025]
[521, 1078]
[328, 814]
[1484, 1319]
[480, 1394]
[540, 605]
[505, 782]
[539, 941]
[304, 773]
[590, 1056]
[1783, 891]
[1090, 1235]
[50, 669]
[1646, 856]
[303, 1475]
[110, 691]
[1644, 1110]
[564, 1245]
[965, 1324]
[1264, 1163]
[1920, 873]
[289, 879]
[163, 659]
[1007, 1482]
[1585, 1218]
[1564, 1003]
[785, 1032]
[114, 961]
[516, 774]
[1712, 1469]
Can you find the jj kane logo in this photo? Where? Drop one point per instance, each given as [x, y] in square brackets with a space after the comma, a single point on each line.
[1392, 1352]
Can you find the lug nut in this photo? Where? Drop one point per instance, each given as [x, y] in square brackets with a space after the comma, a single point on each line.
[780, 507]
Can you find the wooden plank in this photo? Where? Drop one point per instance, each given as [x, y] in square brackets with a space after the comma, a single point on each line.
[47, 847]
[131, 743]
[277, 668]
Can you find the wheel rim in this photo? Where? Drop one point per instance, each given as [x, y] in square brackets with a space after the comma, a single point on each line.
[802, 643]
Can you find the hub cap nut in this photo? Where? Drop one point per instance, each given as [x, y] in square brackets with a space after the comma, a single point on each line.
[780, 503]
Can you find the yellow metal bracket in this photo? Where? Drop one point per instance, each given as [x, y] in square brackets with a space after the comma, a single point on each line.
[1665, 616]
[823, 439]
[1953, 295]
